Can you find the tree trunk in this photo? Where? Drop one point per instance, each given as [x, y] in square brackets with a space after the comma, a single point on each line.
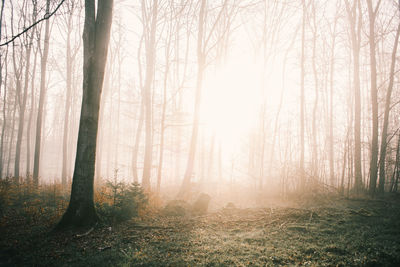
[382, 160]
[22, 107]
[96, 36]
[374, 100]
[150, 66]
[11, 140]
[355, 31]
[28, 132]
[135, 151]
[331, 112]
[4, 126]
[302, 73]
[43, 63]
[69, 59]
[185, 187]
[163, 114]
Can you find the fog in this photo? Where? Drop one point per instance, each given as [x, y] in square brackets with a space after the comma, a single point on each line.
[276, 95]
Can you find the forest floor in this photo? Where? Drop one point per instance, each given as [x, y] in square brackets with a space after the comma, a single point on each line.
[317, 232]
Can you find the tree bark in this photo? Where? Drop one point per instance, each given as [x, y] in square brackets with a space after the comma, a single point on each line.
[302, 73]
[96, 36]
[150, 66]
[69, 60]
[382, 159]
[355, 31]
[43, 63]
[373, 171]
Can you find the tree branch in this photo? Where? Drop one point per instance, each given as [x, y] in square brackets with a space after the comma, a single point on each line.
[46, 17]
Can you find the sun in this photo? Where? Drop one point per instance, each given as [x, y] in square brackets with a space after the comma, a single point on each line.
[230, 101]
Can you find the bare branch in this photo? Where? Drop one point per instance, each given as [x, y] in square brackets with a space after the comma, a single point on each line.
[46, 17]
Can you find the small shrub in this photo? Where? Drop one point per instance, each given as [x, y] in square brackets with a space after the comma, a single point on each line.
[122, 201]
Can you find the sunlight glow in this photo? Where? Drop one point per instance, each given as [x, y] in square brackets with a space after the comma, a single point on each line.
[231, 98]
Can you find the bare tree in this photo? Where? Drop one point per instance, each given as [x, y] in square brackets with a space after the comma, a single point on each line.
[382, 159]
[150, 45]
[202, 50]
[355, 19]
[96, 36]
[43, 69]
[373, 171]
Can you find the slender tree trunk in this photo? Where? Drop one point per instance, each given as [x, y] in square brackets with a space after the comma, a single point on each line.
[163, 113]
[355, 31]
[11, 140]
[185, 187]
[331, 112]
[135, 151]
[64, 170]
[96, 36]
[22, 107]
[302, 74]
[28, 132]
[382, 161]
[373, 171]
[43, 63]
[3, 129]
[396, 171]
[150, 68]
[316, 100]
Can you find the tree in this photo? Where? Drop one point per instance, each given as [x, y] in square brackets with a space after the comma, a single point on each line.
[150, 46]
[71, 52]
[373, 171]
[302, 73]
[96, 37]
[202, 50]
[43, 69]
[385, 125]
[355, 18]
[22, 104]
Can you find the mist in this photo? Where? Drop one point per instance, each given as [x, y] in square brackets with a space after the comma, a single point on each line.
[253, 104]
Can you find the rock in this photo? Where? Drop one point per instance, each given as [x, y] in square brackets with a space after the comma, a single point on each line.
[230, 205]
[176, 208]
[200, 206]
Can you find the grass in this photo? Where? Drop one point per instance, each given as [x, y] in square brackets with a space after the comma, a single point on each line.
[330, 232]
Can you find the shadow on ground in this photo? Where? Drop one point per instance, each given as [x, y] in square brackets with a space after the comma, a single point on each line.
[333, 232]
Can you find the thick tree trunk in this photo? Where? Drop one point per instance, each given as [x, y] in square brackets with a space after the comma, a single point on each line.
[96, 36]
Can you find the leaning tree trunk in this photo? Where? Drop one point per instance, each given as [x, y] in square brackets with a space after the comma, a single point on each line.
[96, 37]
